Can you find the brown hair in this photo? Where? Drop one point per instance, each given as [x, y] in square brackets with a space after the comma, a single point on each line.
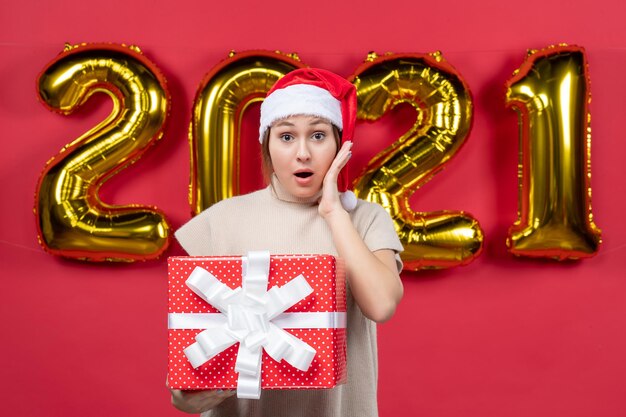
[266, 159]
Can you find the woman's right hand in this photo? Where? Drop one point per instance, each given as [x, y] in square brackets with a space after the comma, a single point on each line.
[198, 401]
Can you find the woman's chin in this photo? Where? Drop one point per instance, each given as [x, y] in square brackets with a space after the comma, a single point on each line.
[305, 193]
[301, 191]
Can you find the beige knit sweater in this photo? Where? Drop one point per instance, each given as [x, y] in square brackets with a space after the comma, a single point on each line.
[271, 219]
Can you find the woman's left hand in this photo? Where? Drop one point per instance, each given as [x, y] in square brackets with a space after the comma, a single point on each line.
[329, 202]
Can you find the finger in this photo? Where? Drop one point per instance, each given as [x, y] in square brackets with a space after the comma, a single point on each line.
[344, 160]
[344, 155]
[227, 392]
[341, 159]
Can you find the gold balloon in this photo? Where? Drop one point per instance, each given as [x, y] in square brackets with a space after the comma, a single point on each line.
[444, 116]
[71, 219]
[222, 98]
[551, 94]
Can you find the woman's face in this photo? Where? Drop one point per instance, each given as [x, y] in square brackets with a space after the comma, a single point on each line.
[302, 148]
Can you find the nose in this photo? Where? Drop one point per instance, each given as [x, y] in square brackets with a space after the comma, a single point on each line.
[303, 153]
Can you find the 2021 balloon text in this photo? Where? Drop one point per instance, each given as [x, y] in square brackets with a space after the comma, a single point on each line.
[550, 91]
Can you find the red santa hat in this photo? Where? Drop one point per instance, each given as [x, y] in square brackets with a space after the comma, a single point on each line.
[315, 92]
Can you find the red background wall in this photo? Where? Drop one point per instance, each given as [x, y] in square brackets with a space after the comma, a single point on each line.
[499, 337]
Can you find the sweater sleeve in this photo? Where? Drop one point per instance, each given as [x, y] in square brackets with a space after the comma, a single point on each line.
[377, 230]
[195, 235]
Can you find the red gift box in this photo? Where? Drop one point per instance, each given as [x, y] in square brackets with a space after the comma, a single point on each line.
[323, 274]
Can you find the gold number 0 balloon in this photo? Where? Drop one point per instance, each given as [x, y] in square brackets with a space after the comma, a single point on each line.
[222, 98]
[444, 116]
[71, 219]
[551, 94]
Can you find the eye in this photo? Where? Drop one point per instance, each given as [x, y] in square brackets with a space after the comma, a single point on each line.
[318, 135]
[286, 137]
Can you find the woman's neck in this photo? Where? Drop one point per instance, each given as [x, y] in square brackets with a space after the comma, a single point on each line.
[282, 194]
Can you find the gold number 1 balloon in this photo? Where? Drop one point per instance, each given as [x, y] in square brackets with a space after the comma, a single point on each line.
[551, 94]
[444, 115]
[71, 219]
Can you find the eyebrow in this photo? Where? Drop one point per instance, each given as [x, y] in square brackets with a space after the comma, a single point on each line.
[284, 123]
[320, 121]
[313, 122]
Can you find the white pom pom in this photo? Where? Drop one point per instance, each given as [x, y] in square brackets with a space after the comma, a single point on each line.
[348, 200]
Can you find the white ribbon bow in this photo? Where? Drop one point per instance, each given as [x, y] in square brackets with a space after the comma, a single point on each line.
[249, 311]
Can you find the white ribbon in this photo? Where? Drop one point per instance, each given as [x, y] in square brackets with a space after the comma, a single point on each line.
[254, 317]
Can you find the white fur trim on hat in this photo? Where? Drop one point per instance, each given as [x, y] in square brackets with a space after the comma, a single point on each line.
[299, 99]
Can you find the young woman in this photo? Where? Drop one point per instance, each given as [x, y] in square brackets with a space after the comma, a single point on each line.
[307, 122]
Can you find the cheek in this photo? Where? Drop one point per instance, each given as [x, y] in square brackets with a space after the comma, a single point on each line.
[327, 157]
[278, 156]
[271, 151]
[331, 153]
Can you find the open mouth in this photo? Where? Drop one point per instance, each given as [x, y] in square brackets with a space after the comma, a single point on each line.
[303, 174]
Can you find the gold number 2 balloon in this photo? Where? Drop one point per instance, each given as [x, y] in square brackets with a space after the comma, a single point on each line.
[551, 95]
[444, 115]
[71, 219]
[222, 98]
